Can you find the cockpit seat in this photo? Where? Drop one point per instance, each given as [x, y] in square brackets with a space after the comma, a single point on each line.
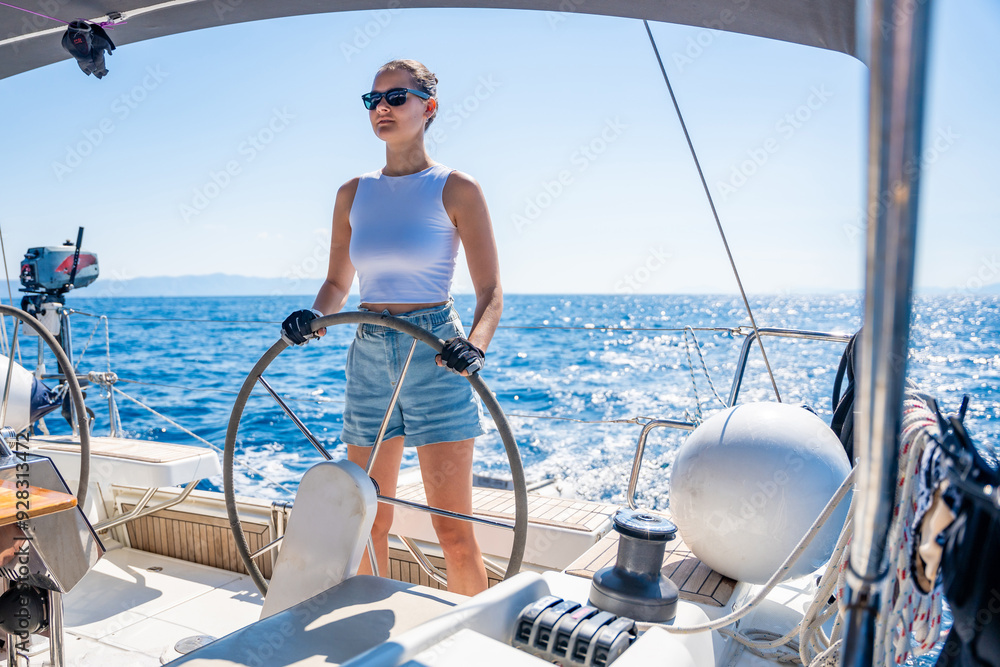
[392, 619]
[330, 628]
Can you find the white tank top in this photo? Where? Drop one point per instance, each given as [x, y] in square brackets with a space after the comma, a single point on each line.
[403, 244]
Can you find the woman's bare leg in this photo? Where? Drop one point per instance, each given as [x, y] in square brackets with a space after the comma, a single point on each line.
[446, 468]
[385, 472]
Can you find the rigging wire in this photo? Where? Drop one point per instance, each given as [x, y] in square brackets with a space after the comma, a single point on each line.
[197, 437]
[715, 213]
[638, 419]
[10, 293]
[603, 327]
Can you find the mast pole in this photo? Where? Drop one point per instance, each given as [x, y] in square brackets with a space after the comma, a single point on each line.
[897, 64]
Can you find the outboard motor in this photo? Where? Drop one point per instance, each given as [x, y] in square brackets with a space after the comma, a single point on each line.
[47, 274]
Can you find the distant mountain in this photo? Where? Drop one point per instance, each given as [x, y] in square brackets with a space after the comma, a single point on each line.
[224, 284]
[214, 284]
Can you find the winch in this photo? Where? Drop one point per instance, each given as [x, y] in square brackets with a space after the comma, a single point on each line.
[635, 586]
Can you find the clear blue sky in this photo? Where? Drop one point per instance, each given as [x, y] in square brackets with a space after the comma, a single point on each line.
[521, 94]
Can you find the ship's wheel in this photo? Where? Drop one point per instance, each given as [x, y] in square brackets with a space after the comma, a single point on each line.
[520, 526]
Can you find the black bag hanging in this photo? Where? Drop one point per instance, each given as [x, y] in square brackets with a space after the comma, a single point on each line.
[87, 42]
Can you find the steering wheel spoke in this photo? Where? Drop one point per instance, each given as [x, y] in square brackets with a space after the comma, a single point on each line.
[520, 524]
[295, 418]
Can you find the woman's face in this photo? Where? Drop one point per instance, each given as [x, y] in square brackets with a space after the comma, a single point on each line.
[405, 121]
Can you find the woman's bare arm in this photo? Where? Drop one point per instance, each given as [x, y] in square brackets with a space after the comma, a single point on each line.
[340, 274]
[466, 205]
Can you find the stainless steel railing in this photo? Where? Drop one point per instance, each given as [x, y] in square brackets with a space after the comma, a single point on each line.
[734, 392]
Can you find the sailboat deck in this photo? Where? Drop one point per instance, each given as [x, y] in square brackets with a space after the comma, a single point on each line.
[133, 608]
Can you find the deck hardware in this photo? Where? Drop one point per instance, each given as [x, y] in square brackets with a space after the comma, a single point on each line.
[8, 441]
[425, 564]
[572, 634]
[189, 644]
[752, 335]
[635, 586]
[141, 509]
[640, 448]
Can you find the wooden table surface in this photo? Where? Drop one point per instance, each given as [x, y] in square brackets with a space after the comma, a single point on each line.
[38, 503]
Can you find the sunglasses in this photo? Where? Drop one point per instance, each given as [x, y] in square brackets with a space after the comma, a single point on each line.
[395, 97]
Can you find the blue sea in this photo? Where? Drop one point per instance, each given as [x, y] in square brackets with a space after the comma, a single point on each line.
[567, 370]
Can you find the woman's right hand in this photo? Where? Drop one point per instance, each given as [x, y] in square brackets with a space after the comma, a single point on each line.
[295, 329]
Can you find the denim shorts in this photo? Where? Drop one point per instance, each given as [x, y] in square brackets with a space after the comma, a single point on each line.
[434, 405]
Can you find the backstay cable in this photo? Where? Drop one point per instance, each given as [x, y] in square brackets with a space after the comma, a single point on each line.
[715, 213]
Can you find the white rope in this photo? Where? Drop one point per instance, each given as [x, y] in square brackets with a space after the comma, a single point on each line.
[829, 657]
[756, 641]
[201, 439]
[808, 630]
[906, 611]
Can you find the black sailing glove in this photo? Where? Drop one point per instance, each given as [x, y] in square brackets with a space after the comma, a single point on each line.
[295, 329]
[459, 355]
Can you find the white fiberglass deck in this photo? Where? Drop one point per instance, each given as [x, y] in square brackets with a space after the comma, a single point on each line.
[133, 607]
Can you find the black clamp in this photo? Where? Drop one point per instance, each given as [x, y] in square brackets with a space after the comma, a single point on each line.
[572, 634]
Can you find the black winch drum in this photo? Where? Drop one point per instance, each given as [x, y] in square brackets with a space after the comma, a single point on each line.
[635, 586]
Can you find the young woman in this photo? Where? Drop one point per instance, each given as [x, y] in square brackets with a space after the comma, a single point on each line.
[399, 228]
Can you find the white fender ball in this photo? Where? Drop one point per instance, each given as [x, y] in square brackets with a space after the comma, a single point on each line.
[749, 482]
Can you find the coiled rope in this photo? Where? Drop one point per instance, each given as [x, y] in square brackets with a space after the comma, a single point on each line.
[906, 611]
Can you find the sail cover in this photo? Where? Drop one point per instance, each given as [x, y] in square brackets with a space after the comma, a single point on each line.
[28, 41]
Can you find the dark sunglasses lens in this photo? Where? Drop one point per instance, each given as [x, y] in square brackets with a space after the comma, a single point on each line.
[371, 100]
[396, 97]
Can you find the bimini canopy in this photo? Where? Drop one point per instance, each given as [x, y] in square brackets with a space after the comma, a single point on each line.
[28, 41]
